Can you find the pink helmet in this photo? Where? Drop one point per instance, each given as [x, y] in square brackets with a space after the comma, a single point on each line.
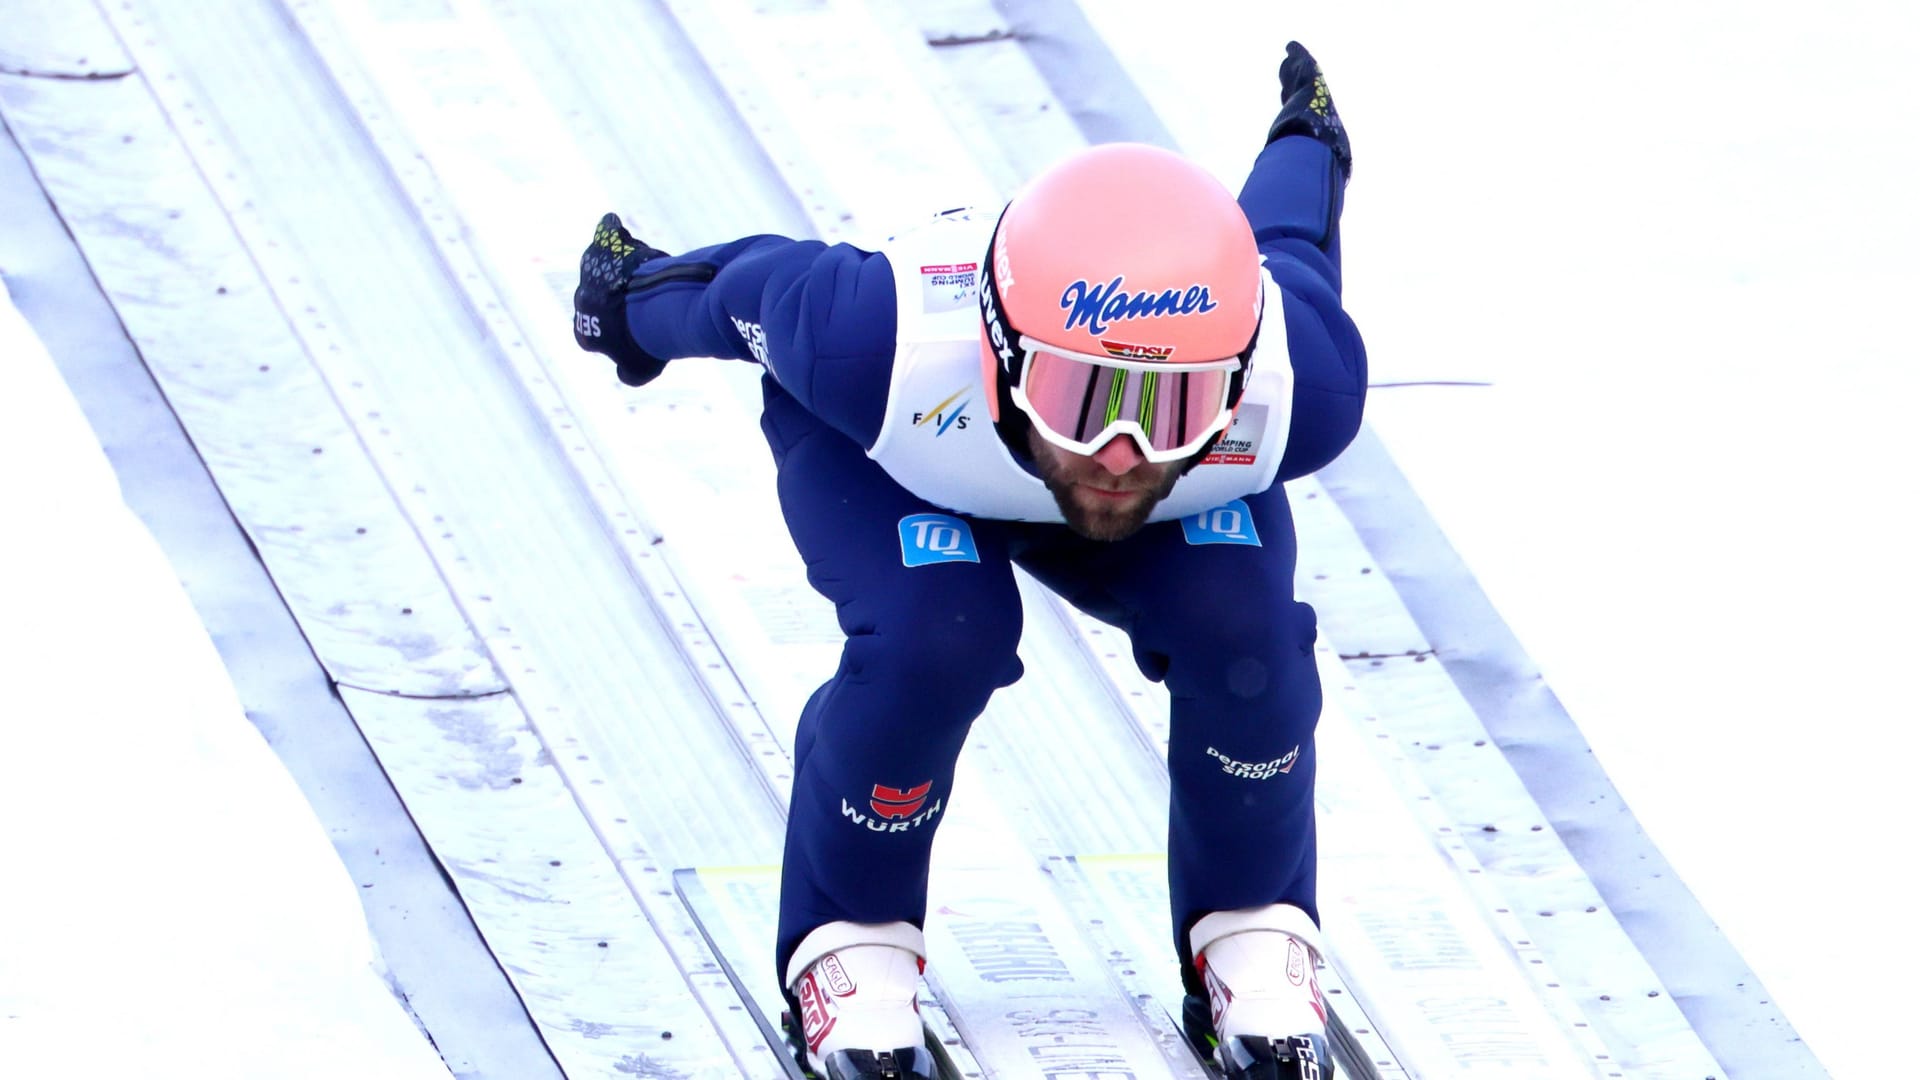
[1122, 295]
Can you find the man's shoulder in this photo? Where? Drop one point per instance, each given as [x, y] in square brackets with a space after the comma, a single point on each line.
[936, 273]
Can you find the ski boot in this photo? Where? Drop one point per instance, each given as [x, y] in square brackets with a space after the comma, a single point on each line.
[1263, 1017]
[854, 989]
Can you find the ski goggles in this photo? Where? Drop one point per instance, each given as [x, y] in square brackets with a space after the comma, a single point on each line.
[1080, 402]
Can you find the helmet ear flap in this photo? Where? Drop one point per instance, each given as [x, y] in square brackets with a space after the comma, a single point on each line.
[1237, 387]
[1000, 357]
[1009, 421]
[999, 341]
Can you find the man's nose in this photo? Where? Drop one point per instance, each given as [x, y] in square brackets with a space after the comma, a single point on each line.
[1120, 456]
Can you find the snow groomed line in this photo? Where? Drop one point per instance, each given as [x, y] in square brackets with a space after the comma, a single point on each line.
[435, 957]
[575, 1024]
[1692, 965]
[164, 867]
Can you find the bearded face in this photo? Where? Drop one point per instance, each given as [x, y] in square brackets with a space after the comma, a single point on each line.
[1106, 495]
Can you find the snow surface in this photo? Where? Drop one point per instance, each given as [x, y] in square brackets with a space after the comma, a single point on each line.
[173, 904]
[1673, 244]
[1678, 241]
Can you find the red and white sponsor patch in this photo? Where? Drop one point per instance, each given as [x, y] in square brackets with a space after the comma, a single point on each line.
[817, 1015]
[1125, 350]
[1300, 972]
[893, 803]
[1219, 994]
[948, 286]
[1240, 443]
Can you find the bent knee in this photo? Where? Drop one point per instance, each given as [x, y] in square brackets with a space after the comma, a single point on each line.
[961, 655]
[1247, 652]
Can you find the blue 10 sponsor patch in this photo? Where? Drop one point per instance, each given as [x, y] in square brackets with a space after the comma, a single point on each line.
[1229, 524]
[930, 539]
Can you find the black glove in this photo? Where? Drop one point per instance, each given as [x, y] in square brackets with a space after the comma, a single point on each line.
[1306, 106]
[600, 301]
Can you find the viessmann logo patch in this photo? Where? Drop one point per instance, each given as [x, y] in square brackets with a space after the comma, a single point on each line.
[1240, 444]
[948, 286]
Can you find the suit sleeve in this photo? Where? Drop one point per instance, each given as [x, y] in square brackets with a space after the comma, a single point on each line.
[820, 319]
[1293, 200]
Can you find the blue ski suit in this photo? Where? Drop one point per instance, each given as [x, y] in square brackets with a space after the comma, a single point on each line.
[932, 631]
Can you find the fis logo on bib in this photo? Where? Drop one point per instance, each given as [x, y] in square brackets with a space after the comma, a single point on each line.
[931, 539]
[945, 415]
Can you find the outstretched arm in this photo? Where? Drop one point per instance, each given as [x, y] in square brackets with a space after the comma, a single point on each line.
[1293, 199]
[820, 319]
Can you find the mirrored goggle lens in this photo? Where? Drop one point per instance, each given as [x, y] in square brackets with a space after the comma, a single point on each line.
[1079, 400]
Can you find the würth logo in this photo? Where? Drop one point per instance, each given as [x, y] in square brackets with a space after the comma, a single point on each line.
[893, 803]
[894, 809]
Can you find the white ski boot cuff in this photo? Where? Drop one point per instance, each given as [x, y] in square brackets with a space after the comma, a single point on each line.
[1285, 918]
[857, 988]
[1258, 965]
[835, 936]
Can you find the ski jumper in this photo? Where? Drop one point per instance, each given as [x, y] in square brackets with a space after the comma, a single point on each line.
[910, 513]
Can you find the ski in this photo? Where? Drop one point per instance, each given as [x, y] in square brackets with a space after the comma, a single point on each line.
[1130, 892]
[735, 908]
[1349, 1056]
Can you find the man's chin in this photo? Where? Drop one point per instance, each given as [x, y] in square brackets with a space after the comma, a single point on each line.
[1098, 518]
